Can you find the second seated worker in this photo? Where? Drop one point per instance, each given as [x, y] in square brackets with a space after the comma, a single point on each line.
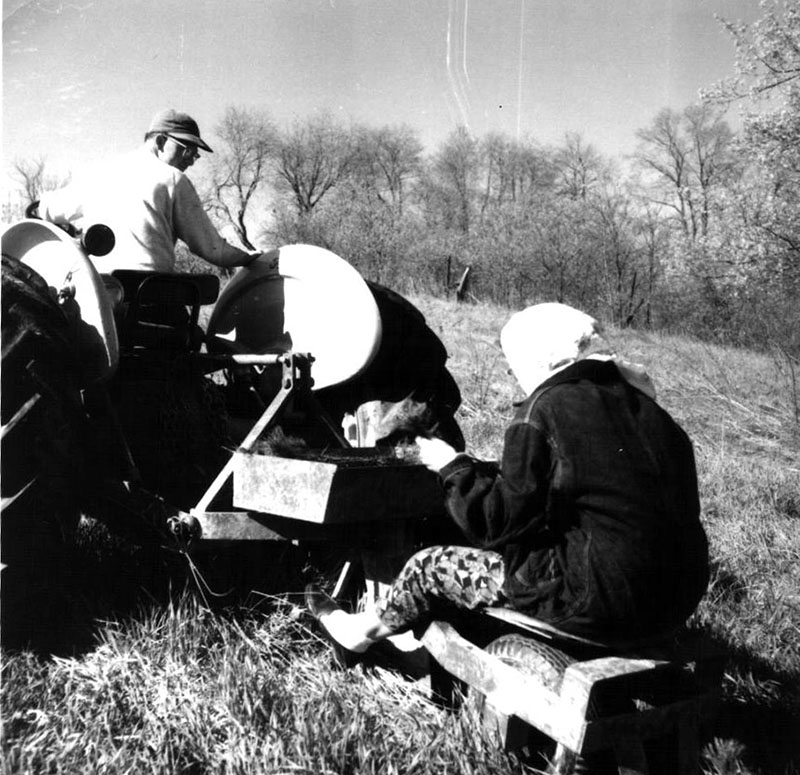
[148, 201]
[591, 522]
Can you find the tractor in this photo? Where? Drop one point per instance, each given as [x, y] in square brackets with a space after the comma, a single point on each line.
[280, 408]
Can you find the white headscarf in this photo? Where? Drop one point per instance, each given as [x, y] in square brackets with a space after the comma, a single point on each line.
[543, 339]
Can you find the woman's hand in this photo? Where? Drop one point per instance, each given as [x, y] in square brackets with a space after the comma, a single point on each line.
[435, 454]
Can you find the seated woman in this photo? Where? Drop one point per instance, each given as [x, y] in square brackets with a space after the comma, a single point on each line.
[591, 521]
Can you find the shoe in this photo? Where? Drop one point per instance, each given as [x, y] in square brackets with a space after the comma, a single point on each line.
[319, 604]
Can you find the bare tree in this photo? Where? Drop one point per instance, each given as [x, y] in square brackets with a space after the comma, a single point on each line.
[241, 166]
[690, 153]
[627, 243]
[313, 157]
[495, 152]
[663, 150]
[32, 178]
[712, 159]
[454, 171]
[396, 158]
[652, 237]
[579, 167]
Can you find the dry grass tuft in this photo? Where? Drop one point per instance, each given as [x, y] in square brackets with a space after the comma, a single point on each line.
[185, 691]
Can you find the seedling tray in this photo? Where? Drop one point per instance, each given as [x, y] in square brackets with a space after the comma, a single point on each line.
[357, 487]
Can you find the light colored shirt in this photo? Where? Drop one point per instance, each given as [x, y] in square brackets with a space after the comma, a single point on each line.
[149, 205]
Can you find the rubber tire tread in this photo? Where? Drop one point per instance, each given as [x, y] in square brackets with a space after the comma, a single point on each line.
[46, 448]
[530, 657]
[533, 657]
[37, 339]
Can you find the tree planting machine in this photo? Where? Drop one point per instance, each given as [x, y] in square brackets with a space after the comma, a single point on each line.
[285, 417]
[288, 418]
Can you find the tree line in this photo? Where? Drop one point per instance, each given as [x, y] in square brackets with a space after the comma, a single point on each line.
[697, 229]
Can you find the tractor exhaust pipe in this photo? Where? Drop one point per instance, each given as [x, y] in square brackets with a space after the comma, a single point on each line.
[98, 240]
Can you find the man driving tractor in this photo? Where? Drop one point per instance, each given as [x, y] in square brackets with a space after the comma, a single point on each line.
[148, 201]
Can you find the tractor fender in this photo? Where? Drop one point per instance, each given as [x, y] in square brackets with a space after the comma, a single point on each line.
[78, 287]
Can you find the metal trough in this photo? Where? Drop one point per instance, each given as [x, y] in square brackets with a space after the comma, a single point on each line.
[325, 492]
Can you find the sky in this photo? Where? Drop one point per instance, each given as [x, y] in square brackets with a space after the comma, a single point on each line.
[82, 79]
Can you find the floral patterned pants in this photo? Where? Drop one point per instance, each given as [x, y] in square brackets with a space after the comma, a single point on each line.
[442, 577]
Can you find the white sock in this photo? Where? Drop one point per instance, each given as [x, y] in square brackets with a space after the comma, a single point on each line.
[348, 629]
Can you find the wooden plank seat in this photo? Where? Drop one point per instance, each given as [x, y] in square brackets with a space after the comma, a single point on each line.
[607, 700]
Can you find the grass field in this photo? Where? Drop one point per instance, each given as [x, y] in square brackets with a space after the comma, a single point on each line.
[179, 687]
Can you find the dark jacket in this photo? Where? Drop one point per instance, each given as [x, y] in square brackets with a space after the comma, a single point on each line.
[594, 507]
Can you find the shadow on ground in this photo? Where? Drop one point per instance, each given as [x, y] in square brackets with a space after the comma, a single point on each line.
[56, 593]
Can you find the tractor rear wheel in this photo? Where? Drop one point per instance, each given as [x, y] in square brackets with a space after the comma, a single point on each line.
[42, 466]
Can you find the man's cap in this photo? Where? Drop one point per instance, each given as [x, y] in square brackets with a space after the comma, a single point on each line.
[179, 125]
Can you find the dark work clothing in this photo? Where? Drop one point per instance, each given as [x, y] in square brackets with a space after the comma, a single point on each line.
[594, 507]
[411, 363]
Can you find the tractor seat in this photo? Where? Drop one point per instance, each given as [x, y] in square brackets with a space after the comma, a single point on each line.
[161, 309]
[207, 284]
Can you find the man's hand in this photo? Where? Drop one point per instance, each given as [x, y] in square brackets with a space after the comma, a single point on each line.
[435, 454]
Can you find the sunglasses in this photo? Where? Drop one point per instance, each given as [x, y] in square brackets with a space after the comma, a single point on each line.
[188, 149]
